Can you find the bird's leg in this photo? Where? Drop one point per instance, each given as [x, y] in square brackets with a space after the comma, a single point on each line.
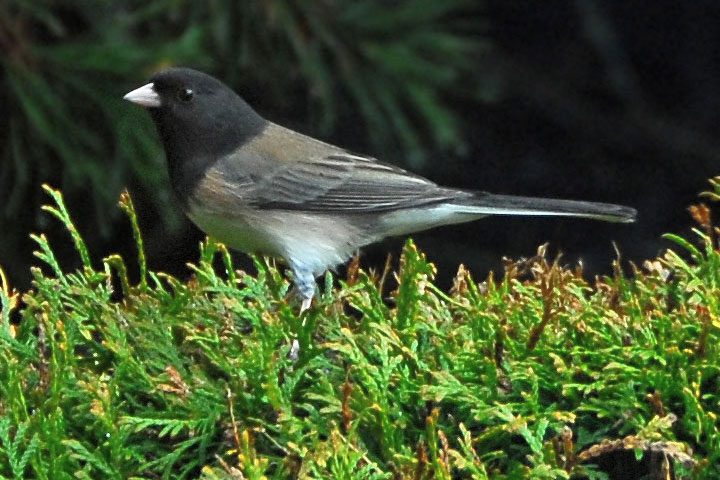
[305, 284]
[305, 288]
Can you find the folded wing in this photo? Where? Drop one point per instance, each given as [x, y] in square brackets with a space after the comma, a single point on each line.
[343, 182]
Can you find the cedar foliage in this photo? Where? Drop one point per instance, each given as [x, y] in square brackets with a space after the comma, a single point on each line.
[539, 374]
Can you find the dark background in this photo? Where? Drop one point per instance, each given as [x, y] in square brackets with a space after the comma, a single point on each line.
[611, 101]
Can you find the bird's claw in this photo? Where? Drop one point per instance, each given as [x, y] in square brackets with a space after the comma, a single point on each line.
[294, 353]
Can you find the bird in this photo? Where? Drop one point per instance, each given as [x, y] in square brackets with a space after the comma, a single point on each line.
[262, 188]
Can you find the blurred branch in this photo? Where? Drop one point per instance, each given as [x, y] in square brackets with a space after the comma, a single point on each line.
[599, 31]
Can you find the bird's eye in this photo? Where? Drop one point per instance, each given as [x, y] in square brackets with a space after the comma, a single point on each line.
[185, 94]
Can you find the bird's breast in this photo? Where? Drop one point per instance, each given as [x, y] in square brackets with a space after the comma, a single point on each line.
[239, 230]
[216, 206]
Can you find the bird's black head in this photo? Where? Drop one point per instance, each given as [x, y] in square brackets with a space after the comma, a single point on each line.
[198, 117]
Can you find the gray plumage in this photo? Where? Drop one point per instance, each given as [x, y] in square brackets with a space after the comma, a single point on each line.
[259, 187]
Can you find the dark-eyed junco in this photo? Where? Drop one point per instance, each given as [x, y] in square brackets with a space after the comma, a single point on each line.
[259, 187]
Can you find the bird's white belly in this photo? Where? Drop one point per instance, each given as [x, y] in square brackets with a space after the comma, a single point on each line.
[317, 242]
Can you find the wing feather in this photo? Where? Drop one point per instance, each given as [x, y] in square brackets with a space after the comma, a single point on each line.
[345, 183]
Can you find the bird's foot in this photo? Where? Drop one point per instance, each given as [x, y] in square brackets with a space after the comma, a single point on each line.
[294, 353]
[295, 294]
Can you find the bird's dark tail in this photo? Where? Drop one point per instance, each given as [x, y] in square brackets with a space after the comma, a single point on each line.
[489, 204]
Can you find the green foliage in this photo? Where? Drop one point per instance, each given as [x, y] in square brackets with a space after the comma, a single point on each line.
[536, 375]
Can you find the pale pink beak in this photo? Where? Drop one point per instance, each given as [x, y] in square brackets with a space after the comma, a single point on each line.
[145, 96]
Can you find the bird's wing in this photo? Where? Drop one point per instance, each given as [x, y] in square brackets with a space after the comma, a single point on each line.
[343, 182]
